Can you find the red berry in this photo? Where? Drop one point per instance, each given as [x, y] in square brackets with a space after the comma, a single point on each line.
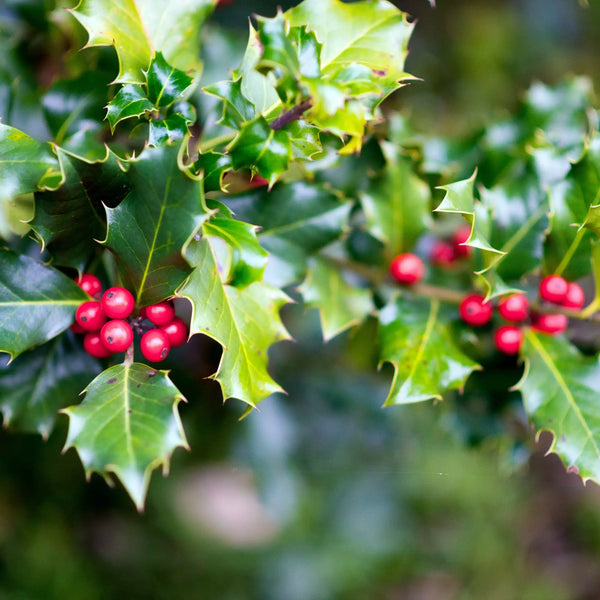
[575, 297]
[553, 288]
[93, 345]
[407, 268]
[176, 331]
[474, 310]
[441, 253]
[77, 328]
[508, 339]
[161, 313]
[90, 316]
[117, 335]
[514, 307]
[90, 284]
[459, 237]
[155, 345]
[550, 323]
[117, 303]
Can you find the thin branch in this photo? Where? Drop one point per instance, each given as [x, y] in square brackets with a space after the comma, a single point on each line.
[291, 115]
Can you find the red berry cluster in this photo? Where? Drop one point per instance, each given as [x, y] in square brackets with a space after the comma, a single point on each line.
[108, 326]
[446, 252]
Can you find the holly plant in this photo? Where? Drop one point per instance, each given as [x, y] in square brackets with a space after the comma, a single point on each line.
[151, 193]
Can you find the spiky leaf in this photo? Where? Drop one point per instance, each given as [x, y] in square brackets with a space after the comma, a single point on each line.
[130, 101]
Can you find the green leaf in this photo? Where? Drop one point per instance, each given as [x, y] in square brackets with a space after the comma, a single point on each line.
[168, 131]
[414, 337]
[340, 304]
[139, 28]
[38, 383]
[36, 302]
[56, 212]
[25, 166]
[130, 101]
[166, 84]
[295, 220]
[213, 165]
[560, 394]
[245, 322]
[127, 425]
[237, 109]
[262, 149]
[146, 232]
[396, 204]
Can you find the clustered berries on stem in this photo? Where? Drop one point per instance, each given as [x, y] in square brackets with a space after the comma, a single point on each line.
[475, 310]
[108, 327]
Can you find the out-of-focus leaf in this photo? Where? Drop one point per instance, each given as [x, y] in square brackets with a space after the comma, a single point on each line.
[295, 220]
[139, 28]
[560, 394]
[245, 322]
[36, 302]
[340, 304]
[127, 425]
[147, 230]
[237, 109]
[396, 204]
[416, 340]
[38, 383]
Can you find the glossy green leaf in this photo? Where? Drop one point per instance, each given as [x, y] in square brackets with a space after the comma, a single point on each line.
[38, 383]
[168, 131]
[147, 231]
[245, 322]
[25, 166]
[262, 149]
[417, 341]
[396, 204]
[213, 166]
[57, 212]
[560, 394]
[139, 28]
[295, 220]
[36, 302]
[127, 425]
[130, 101]
[166, 84]
[340, 304]
[237, 109]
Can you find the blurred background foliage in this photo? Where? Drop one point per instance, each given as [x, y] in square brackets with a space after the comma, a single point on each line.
[321, 494]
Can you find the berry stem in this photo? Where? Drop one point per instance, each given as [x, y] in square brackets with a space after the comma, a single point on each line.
[569, 253]
[128, 356]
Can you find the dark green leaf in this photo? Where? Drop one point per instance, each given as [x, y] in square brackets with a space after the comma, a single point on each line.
[237, 109]
[127, 425]
[166, 84]
[38, 383]
[167, 131]
[36, 302]
[131, 101]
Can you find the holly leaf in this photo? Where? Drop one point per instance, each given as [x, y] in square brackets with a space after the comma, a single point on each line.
[245, 322]
[295, 220]
[25, 166]
[420, 346]
[39, 382]
[140, 28]
[166, 84]
[127, 425]
[560, 394]
[147, 230]
[340, 304]
[213, 166]
[396, 203]
[261, 149]
[130, 101]
[169, 130]
[36, 302]
[237, 109]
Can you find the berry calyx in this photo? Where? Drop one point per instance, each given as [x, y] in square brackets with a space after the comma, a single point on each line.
[176, 331]
[90, 284]
[441, 253]
[116, 335]
[407, 268]
[155, 345]
[475, 310]
[508, 339]
[117, 303]
[514, 307]
[90, 316]
[459, 238]
[575, 297]
[553, 288]
[161, 313]
[94, 346]
[550, 323]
